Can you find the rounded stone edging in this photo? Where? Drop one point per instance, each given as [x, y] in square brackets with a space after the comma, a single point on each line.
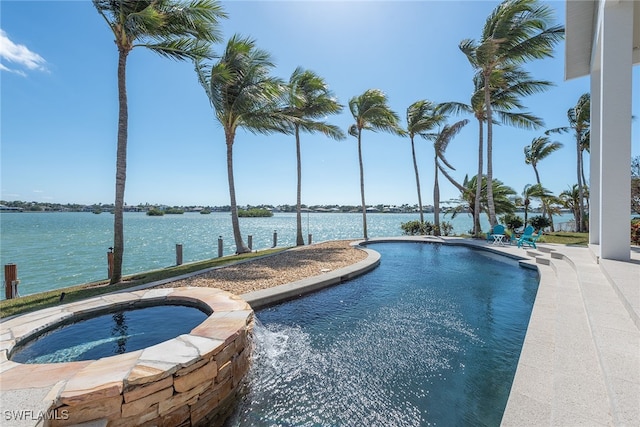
[266, 297]
[179, 380]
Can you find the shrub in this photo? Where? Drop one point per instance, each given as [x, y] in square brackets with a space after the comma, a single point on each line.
[539, 222]
[254, 213]
[155, 212]
[174, 211]
[445, 228]
[635, 231]
[413, 228]
[512, 221]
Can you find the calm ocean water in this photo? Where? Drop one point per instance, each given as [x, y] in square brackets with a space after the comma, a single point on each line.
[59, 249]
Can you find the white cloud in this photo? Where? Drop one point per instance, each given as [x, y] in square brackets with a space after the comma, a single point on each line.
[19, 55]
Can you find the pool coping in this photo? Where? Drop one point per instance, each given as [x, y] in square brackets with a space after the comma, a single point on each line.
[68, 391]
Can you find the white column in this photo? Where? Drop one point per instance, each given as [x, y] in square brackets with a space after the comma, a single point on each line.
[594, 161]
[615, 129]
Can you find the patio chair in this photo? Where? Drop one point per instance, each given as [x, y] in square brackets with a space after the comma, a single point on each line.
[529, 239]
[497, 229]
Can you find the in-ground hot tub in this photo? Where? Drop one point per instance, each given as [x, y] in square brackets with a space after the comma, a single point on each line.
[190, 379]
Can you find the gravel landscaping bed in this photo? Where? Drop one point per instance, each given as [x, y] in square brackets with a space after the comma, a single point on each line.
[274, 270]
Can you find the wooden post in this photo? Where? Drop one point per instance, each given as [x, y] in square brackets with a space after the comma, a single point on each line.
[219, 246]
[110, 263]
[250, 242]
[309, 238]
[178, 254]
[10, 277]
[275, 238]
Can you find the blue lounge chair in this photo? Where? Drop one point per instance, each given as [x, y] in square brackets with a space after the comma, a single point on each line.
[529, 239]
[497, 229]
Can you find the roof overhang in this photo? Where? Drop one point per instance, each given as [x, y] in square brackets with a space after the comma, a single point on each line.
[581, 33]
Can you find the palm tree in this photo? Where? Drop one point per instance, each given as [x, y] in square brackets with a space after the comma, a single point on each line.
[513, 84]
[516, 31]
[571, 199]
[440, 145]
[466, 202]
[169, 28]
[550, 205]
[242, 94]
[540, 148]
[371, 112]
[309, 101]
[422, 116]
[579, 122]
[536, 191]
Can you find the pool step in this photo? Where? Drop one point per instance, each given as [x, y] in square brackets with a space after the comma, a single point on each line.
[542, 260]
[558, 372]
[614, 334]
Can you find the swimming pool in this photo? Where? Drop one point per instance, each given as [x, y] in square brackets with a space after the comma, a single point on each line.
[430, 337]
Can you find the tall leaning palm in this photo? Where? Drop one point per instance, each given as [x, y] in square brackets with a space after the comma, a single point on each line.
[371, 112]
[539, 149]
[422, 117]
[173, 29]
[243, 95]
[309, 100]
[440, 144]
[536, 191]
[517, 31]
[579, 122]
[511, 84]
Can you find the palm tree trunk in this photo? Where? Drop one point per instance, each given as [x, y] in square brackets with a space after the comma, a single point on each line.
[364, 206]
[535, 170]
[476, 205]
[585, 198]
[544, 208]
[235, 223]
[415, 167]
[579, 220]
[121, 168]
[436, 202]
[299, 238]
[550, 215]
[487, 105]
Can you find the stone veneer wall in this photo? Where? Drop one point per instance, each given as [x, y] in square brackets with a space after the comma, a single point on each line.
[191, 380]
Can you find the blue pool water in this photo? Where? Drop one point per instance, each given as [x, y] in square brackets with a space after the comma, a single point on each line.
[110, 334]
[430, 337]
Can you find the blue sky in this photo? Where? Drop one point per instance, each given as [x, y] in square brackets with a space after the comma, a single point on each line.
[59, 106]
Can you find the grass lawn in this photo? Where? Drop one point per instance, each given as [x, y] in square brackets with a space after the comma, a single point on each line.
[566, 238]
[80, 292]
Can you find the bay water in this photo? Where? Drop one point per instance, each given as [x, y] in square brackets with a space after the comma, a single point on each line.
[53, 250]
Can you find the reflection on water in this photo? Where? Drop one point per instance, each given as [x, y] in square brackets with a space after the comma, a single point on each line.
[119, 331]
[431, 337]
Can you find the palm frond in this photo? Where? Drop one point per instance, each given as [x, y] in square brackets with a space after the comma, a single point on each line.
[308, 98]
[444, 137]
[371, 111]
